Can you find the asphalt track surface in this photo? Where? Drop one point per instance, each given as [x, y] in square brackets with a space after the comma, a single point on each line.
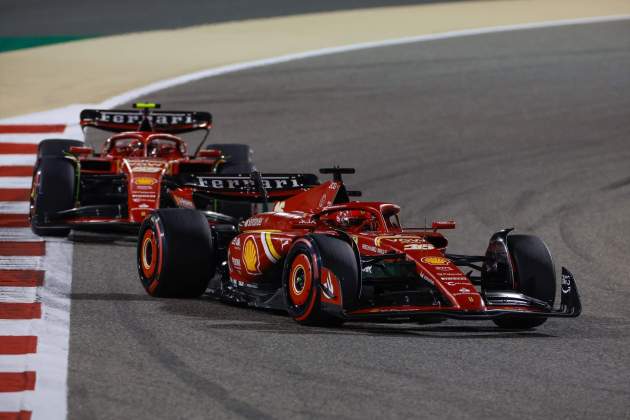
[90, 17]
[527, 129]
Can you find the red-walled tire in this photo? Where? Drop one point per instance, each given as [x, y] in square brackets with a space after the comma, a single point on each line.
[302, 279]
[175, 253]
[339, 257]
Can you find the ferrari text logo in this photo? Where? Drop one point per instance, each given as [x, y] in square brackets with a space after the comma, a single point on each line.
[135, 118]
[225, 183]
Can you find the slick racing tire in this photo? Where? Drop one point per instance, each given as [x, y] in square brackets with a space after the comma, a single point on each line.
[53, 190]
[239, 161]
[239, 156]
[302, 278]
[339, 257]
[56, 147]
[534, 276]
[175, 253]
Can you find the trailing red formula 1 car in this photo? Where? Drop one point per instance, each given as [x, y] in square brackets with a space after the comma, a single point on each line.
[143, 167]
[325, 260]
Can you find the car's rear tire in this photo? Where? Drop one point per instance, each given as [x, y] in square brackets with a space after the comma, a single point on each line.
[239, 161]
[53, 189]
[175, 253]
[56, 147]
[239, 156]
[534, 276]
[302, 282]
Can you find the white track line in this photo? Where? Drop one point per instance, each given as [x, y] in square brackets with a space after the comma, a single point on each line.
[14, 207]
[9, 294]
[53, 332]
[15, 363]
[169, 83]
[21, 263]
[16, 327]
[15, 181]
[17, 160]
[18, 234]
[68, 114]
[50, 363]
[15, 401]
[26, 138]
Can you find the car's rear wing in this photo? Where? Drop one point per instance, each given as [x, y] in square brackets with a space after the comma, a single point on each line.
[256, 187]
[173, 122]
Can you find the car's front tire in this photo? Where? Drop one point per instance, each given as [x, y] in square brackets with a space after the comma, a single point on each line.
[302, 278]
[534, 276]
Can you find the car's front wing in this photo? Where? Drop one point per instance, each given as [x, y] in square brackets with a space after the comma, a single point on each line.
[570, 307]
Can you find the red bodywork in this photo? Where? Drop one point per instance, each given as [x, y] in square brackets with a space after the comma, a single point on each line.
[326, 259]
[373, 228]
[145, 158]
[266, 238]
[143, 167]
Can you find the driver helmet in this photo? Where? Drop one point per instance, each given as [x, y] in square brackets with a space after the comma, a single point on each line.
[349, 219]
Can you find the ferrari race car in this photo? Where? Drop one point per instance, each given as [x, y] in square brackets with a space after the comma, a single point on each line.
[326, 259]
[143, 167]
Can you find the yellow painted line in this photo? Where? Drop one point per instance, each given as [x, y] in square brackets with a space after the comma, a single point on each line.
[93, 70]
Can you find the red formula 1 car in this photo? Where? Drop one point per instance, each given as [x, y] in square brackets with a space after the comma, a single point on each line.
[325, 260]
[141, 168]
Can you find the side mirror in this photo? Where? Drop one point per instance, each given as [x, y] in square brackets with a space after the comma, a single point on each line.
[210, 154]
[80, 150]
[443, 224]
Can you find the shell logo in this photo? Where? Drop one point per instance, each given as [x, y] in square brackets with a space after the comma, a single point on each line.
[435, 260]
[145, 181]
[250, 256]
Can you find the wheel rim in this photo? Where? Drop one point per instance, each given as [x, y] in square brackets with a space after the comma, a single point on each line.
[148, 255]
[300, 280]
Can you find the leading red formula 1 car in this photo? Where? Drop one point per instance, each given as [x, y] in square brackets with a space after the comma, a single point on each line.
[143, 167]
[325, 260]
